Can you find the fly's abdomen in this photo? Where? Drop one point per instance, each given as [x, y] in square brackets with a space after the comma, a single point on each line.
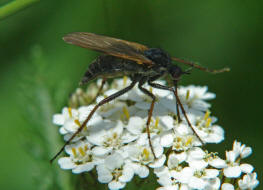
[108, 66]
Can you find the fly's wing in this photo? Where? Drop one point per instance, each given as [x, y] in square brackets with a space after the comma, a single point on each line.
[111, 46]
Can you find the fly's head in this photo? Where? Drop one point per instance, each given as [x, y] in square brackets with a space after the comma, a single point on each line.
[175, 72]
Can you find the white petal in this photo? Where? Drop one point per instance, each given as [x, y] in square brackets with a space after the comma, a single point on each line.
[231, 156]
[71, 126]
[96, 138]
[74, 112]
[99, 129]
[133, 151]
[58, 119]
[127, 173]
[167, 121]
[167, 139]
[218, 163]
[118, 128]
[112, 111]
[159, 109]
[66, 163]
[158, 150]
[132, 95]
[143, 105]
[160, 92]
[216, 136]
[184, 187]
[227, 186]
[104, 175]
[209, 96]
[101, 151]
[165, 180]
[114, 185]
[158, 162]
[84, 112]
[141, 170]
[246, 168]
[249, 181]
[136, 125]
[62, 131]
[110, 92]
[196, 153]
[83, 168]
[170, 187]
[237, 146]
[172, 161]
[181, 156]
[197, 164]
[169, 104]
[114, 161]
[196, 183]
[127, 137]
[244, 183]
[232, 172]
[183, 129]
[200, 105]
[161, 171]
[211, 173]
[185, 175]
[246, 152]
[213, 184]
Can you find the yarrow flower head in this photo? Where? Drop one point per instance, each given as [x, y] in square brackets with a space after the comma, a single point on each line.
[116, 144]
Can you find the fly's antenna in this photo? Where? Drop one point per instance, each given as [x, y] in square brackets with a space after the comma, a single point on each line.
[195, 65]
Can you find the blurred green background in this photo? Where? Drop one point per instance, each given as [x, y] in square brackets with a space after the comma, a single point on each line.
[39, 71]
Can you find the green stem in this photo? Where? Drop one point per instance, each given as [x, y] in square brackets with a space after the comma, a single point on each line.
[14, 6]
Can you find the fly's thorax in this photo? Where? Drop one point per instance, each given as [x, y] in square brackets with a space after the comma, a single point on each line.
[158, 56]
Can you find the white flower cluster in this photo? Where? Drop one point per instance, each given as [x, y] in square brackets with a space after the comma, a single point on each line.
[115, 142]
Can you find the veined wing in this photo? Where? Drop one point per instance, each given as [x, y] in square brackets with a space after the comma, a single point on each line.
[108, 45]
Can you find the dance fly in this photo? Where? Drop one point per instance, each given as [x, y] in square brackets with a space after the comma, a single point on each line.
[139, 62]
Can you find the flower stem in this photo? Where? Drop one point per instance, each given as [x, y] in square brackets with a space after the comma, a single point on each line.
[14, 6]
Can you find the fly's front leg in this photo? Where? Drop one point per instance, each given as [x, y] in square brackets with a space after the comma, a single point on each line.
[162, 87]
[178, 104]
[148, 93]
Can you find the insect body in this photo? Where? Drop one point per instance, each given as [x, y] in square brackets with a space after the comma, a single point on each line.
[110, 66]
[140, 63]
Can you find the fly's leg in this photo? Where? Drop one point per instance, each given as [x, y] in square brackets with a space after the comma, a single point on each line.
[100, 89]
[159, 86]
[104, 101]
[148, 93]
[177, 105]
[162, 87]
